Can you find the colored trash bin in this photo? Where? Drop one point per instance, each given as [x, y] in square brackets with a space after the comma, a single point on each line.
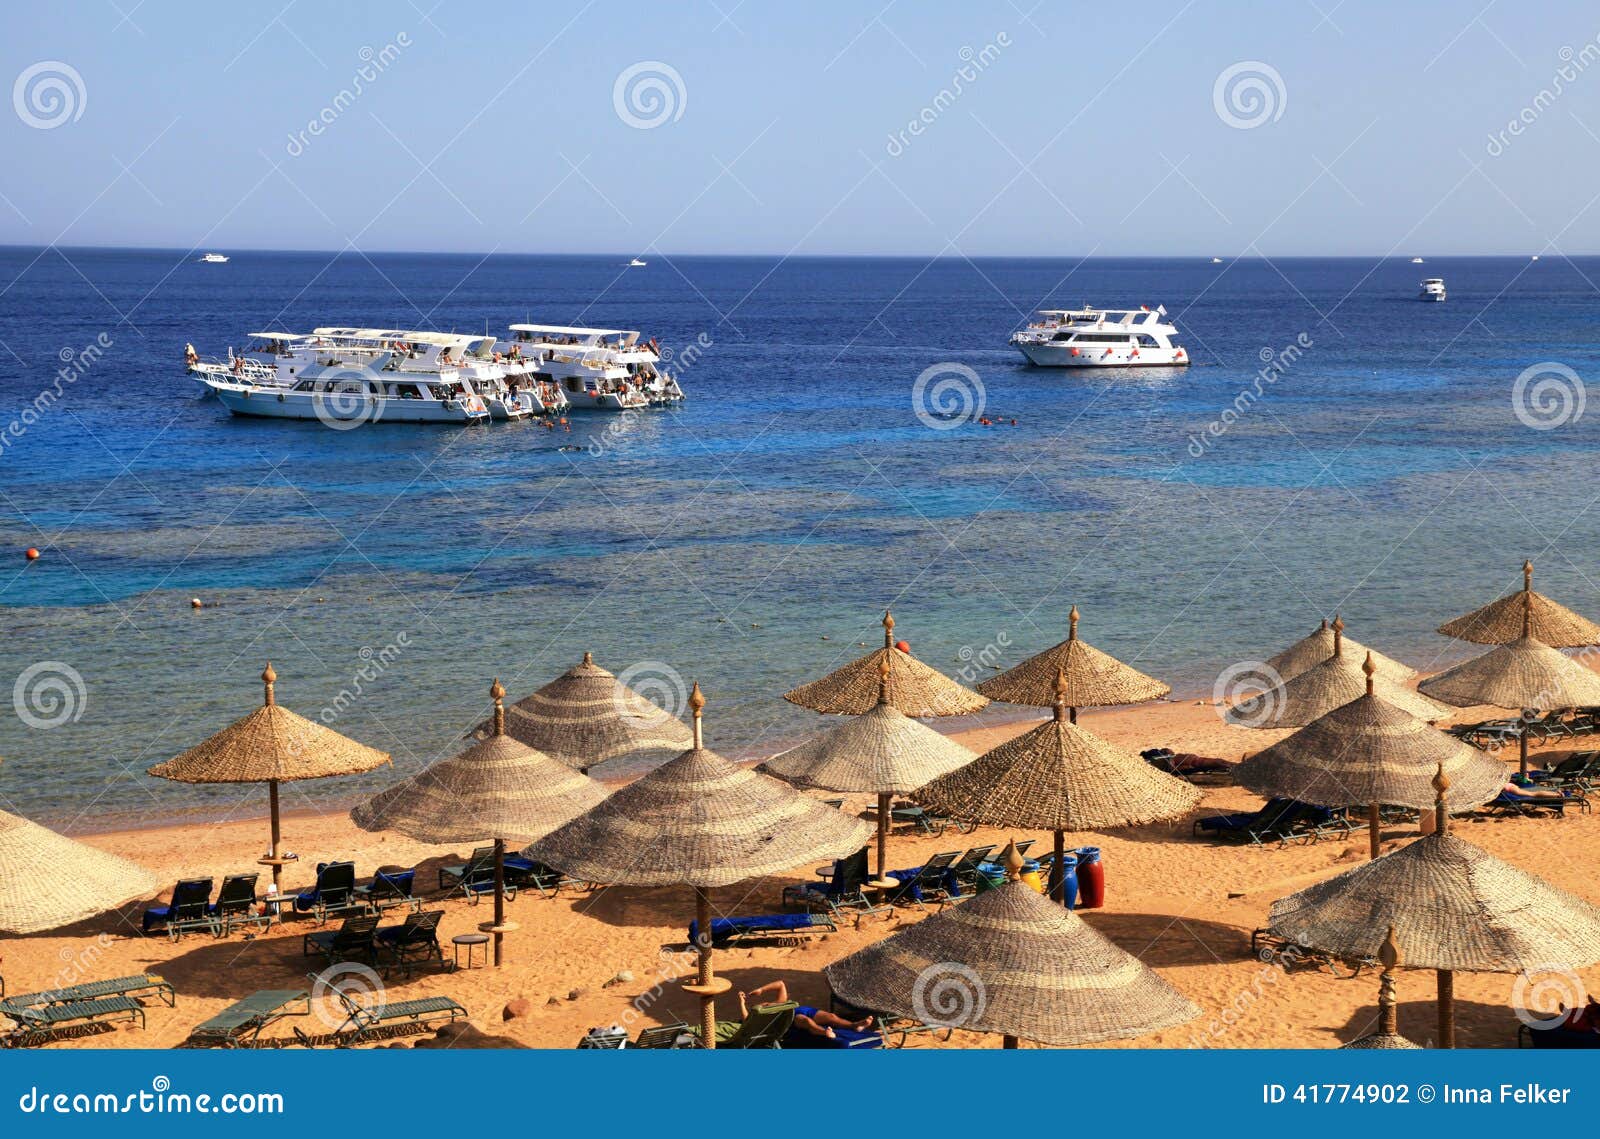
[1069, 880]
[1091, 878]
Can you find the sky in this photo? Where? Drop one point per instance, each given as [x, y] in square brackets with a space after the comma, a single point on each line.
[728, 127]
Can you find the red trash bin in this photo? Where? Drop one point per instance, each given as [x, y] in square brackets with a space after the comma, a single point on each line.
[1091, 878]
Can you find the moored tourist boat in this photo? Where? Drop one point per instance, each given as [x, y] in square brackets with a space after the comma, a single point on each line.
[1100, 338]
[598, 369]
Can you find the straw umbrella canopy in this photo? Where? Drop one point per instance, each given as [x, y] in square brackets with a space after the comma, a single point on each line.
[1059, 777]
[1454, 906]
[498, 789]
[1388, 1035]
[271, 745]
[586, 716]
[1501, 621]
[1094, 679]
[1524, 673]
[82, 881]
[1011, 962]
[702, 821]
[1319, 690]
[1317, 647]
[882, 751]
[1370, 752]
[918, 690]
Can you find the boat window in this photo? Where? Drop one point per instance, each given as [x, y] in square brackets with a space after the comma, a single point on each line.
[572, 384]
[1146, 340]
[306, 386]
[408, 391]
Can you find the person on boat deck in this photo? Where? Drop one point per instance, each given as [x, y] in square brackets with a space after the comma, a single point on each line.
[190, 356]
[818, 1022]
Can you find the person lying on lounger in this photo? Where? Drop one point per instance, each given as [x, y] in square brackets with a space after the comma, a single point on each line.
[818, 1022]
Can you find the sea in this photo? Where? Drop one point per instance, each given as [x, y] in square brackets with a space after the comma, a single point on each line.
[859, 436]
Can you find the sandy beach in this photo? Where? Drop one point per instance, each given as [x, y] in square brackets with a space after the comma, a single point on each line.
[1186, 906]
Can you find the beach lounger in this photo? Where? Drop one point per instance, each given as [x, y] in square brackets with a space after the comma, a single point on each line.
[476, 877]
[764, 1027]
[677, 1035]
[41, 1024]
[235, 906]
[765, 927]
[1578, 772]
[241, 1023]
[841, 890]
[1510, 802]
[413, 942]
[1268, 946]
[894, 1031]
[603, 1039]
[393, 1018]
[354, 940]
[137, 985]
[390, 889]
[1187, 766]
[189, 909]
[1026, 845]
[334, 892]
[1574, 1028]
[965, 870]
[932, 881]
[1280, 820]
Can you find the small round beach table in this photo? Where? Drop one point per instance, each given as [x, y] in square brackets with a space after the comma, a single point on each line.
[472, 941]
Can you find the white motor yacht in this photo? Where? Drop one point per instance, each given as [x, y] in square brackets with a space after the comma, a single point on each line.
[598, 369]
[1100, 338]
[1432, 290]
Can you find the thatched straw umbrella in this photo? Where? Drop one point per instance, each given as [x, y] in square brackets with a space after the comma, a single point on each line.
[47, 880]
[1524, 673]
[1094, 679]
[498, 789]
[882, 751]
[1388, 1035]
[1454, 906]
[1317, 647]
[1319, 690]
[586, 716]
[702, 821]
[1370, 752]
[1059, 777]
[852, 690]
[271, 745]
[1546, 621]
[1010, 962]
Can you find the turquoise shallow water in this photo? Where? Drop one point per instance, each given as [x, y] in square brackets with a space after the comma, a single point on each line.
[751, 538]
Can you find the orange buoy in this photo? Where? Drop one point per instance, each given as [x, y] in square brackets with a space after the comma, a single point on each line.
[33, 554]
[903, 646]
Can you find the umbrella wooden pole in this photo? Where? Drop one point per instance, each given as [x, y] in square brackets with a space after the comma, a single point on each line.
[499, 897]
[884, 799]
[1374, 829]
[1058, 871]
[1009, 1041]
[707, 974]
[277, 836]
[1522, 750]
[1447, 1009]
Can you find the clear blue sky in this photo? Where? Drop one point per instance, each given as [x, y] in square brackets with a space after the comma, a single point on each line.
[1095, 131]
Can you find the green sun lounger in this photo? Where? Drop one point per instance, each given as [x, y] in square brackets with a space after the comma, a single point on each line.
[41, 1024]
[765, 1027]
[240, 1024]
[382, 1019]
[138, 985]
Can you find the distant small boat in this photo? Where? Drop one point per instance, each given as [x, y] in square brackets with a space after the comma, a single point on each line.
[636, 264]
[1432, 290]
[1535, 257]
[1216, 261]
[1416, 261]
[214, 259]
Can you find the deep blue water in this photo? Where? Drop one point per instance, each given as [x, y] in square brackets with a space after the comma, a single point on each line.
[753, 537]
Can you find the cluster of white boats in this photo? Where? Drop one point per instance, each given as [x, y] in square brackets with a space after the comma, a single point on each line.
[409, 376]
